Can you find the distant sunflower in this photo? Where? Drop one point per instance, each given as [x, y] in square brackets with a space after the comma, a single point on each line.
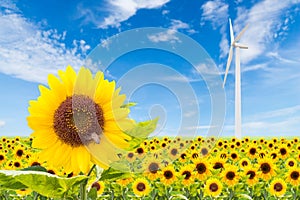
[141, 187]
[230, 175]
[252, 151]
[278, 187]
[293, 176]
[244, 162]
[168, 175]
[202, 168]
[99, 186]
[217, 163]
[187, 174]
[213, 187]
[283, 151]
[151, 168]
[234, 155]
[251, 172]
[78, 111]
[291, 162]
[267, 168]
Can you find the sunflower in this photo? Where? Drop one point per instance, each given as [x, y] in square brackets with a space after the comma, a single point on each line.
[100, 186]
[124, 182]
[293, 176]
[252, 151]
[278, 187]
[77, 115]
[217, 162]
[151, 167]
[290, 162]
[267, 168]
[202, 168]
[168, 175]
[188, 175]
[141, 187]
[230, 175]
[213, 187]
[283, 151]
[2, 158]
[244, 162]
[251, 172]
[130, 157]
[234, 155]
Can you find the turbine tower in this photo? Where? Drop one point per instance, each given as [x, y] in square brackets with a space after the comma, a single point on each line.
[238, 101]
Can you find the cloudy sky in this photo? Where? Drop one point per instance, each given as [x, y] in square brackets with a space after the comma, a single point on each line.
[40, 37]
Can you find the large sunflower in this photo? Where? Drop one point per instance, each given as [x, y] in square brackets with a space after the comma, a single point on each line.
[78, 119]
[213, 187]
[141, 187]
[278, 187]
[293, 176]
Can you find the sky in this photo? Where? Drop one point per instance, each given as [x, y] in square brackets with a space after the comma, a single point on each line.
[39, 37]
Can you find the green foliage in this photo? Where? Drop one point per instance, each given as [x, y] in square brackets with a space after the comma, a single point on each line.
[41, 182]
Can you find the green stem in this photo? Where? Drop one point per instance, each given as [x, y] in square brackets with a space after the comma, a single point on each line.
[83, 193]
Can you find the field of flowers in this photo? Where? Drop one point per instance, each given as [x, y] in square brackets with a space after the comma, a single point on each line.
[170, 168]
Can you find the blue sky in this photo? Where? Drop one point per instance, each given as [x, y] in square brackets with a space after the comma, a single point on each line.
[40, 37]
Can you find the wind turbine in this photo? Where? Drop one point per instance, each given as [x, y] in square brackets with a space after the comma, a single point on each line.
[238, 101]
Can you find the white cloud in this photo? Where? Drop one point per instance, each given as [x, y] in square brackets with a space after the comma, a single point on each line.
[170, 34]
[267, 20]
[2, 123]
[215, 12]
[119, 11]
[29, 52]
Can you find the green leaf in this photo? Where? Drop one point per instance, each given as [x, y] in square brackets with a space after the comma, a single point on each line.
[128, 105]
[92, 195]
[35, 168]
[41, 182]
[112, 174]
[141, 131]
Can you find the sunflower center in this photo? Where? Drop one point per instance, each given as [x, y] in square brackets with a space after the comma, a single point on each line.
[233, 156]
[244, 163]
[230, 175]
[252, 151]
[153, 168]
[213, 187]
[295, 175]
[96, 185]
[35, 164]
[278, 187]
[19, 153]
[168, 174]
[183, 156]
[140, 150]
[283, 151]
[204, 151]
[201, 168]
[218, 165]
[252, 174]
[78, 121]
[141, 187]
[130, 155]
[265, 168]
[174, 152]
[187, 175]
[291, 163]
[1, 157]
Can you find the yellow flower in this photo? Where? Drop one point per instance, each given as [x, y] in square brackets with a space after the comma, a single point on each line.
[290, 163]
[168, 175]
[267, 168]
[230, 175]
[124, 182]
[213, 187]
[278, 187]
[141, 187]
[293, 176]
[151, 167]
[100, 186]
[252, 151]
[251, 171]
[78, 114]
[186, 172]
[244, 162]
[202, 168]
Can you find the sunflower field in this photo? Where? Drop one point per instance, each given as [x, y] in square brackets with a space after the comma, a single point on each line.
[162, 168]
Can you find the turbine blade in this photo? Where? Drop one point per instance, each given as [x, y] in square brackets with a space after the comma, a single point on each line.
[241, 33]
[231, 32]
[228, 64]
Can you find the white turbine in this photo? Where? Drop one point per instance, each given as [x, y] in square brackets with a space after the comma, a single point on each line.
[238, 101]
